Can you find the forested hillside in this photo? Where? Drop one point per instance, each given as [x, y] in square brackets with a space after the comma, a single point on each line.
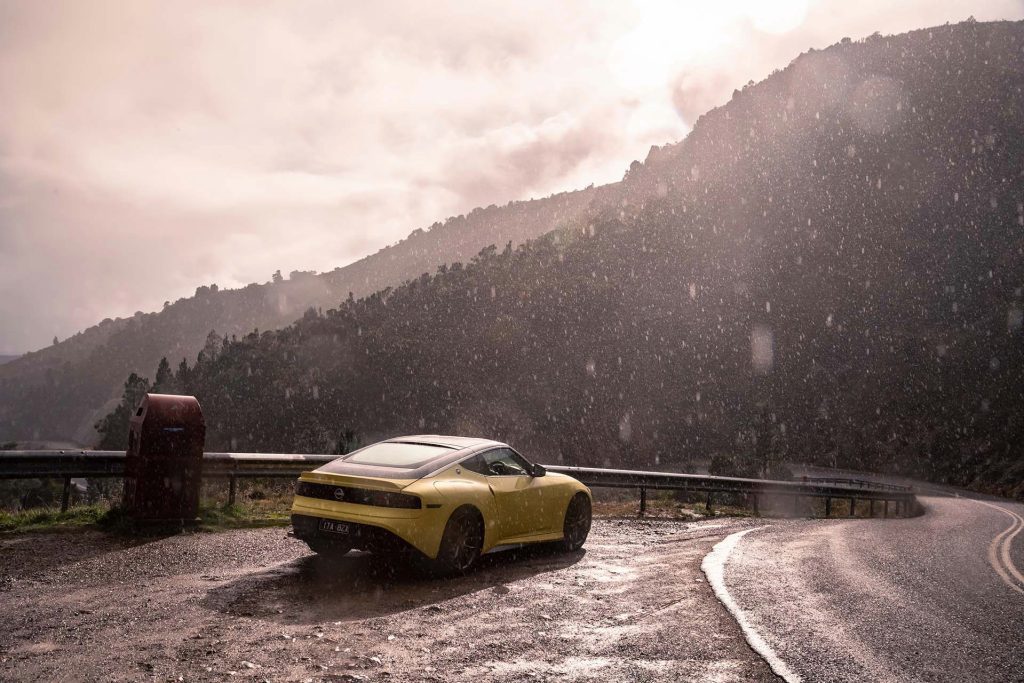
[60, 391]
[829, 269]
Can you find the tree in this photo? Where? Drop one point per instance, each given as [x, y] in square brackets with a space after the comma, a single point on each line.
[164, 382]
[113, 429]
[55, 340]
[348, 441]
[183, 377]
[277, 278]
[212, 347]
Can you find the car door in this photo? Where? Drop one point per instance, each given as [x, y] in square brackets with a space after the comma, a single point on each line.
[519, 509]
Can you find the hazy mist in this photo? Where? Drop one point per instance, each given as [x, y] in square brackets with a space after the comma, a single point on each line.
[146, 150]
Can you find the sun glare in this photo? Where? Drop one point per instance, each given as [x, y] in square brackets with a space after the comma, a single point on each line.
[669, 36]
[777, 16]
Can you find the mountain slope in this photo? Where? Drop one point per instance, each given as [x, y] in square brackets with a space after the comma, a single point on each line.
[60, 391]
[829, 269]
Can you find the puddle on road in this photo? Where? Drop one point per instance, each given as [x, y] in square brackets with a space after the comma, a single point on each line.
[360, 586]
[41, 647]
[568, 669]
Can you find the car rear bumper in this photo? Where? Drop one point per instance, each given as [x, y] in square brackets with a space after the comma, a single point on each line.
[374, 529]
[359, 536]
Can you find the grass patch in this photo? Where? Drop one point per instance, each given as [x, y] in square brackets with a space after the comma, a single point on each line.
[52, 519]
[212, 517]
[221, 517]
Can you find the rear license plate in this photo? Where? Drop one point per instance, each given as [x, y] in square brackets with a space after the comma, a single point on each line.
[332, 527]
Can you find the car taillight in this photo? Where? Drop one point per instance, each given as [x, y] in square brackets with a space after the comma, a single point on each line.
[358, 496]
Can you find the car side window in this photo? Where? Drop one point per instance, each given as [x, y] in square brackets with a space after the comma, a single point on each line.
[475, 464]
[503, 462]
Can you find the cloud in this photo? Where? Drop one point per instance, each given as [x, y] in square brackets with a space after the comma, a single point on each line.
[147, 148]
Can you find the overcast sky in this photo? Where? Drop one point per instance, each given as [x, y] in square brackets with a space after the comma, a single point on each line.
[148, 148]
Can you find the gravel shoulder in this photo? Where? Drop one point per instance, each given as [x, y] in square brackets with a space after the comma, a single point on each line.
[254, 605]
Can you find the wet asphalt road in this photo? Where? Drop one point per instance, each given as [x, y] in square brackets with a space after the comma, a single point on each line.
[888, 600]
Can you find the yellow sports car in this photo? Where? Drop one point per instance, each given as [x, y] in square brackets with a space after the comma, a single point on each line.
[448, 498]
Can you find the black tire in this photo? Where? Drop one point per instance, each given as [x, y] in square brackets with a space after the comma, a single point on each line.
[461, 543]
[576, 527]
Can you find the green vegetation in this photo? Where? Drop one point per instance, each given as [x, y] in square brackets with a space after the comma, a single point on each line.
[220, 517]
[258, 506]
[90, 367]
[52, 519]
[113, 429]
[792, 282]
[828, 269]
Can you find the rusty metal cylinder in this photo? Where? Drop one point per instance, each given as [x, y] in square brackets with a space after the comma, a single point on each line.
[164, 461]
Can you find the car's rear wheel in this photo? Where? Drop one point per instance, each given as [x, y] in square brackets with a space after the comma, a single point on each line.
[576, 527]
[461, 543]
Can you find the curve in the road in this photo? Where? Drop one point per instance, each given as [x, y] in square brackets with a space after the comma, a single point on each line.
[999, 550]
[909, 600]
[713, 567]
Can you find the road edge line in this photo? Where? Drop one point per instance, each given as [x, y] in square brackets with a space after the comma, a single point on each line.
[999, 549]
[713, 567]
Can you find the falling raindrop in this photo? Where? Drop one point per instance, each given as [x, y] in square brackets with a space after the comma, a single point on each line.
[625, 428]
[762, 352]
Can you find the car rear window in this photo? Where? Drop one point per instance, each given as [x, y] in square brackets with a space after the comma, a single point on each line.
[391, 454]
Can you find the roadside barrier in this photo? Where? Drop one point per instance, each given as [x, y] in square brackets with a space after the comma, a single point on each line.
[883, 500]
[891, 500]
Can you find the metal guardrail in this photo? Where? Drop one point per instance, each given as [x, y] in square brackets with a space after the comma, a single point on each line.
[56, 464]
[755, 489]
[66, 464]
[860, 483]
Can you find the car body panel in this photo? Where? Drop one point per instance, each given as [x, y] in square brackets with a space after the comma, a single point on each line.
[516, 509]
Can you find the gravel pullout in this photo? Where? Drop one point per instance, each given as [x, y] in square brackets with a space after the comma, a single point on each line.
[254, 605]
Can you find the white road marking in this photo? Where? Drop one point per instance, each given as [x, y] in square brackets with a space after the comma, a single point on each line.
[713, 567]
[999, 550]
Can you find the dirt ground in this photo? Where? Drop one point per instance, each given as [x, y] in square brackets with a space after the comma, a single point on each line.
[255, 605]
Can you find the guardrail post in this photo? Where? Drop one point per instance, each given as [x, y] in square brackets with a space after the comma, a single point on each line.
[65, 497]
[796, 506]
[757, 510]
[709, 504]
[885, 508]
[872, 503]
[828, 506]
[853, 507]
[231, 489]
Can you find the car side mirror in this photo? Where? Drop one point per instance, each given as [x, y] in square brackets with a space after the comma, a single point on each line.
[538, 471]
